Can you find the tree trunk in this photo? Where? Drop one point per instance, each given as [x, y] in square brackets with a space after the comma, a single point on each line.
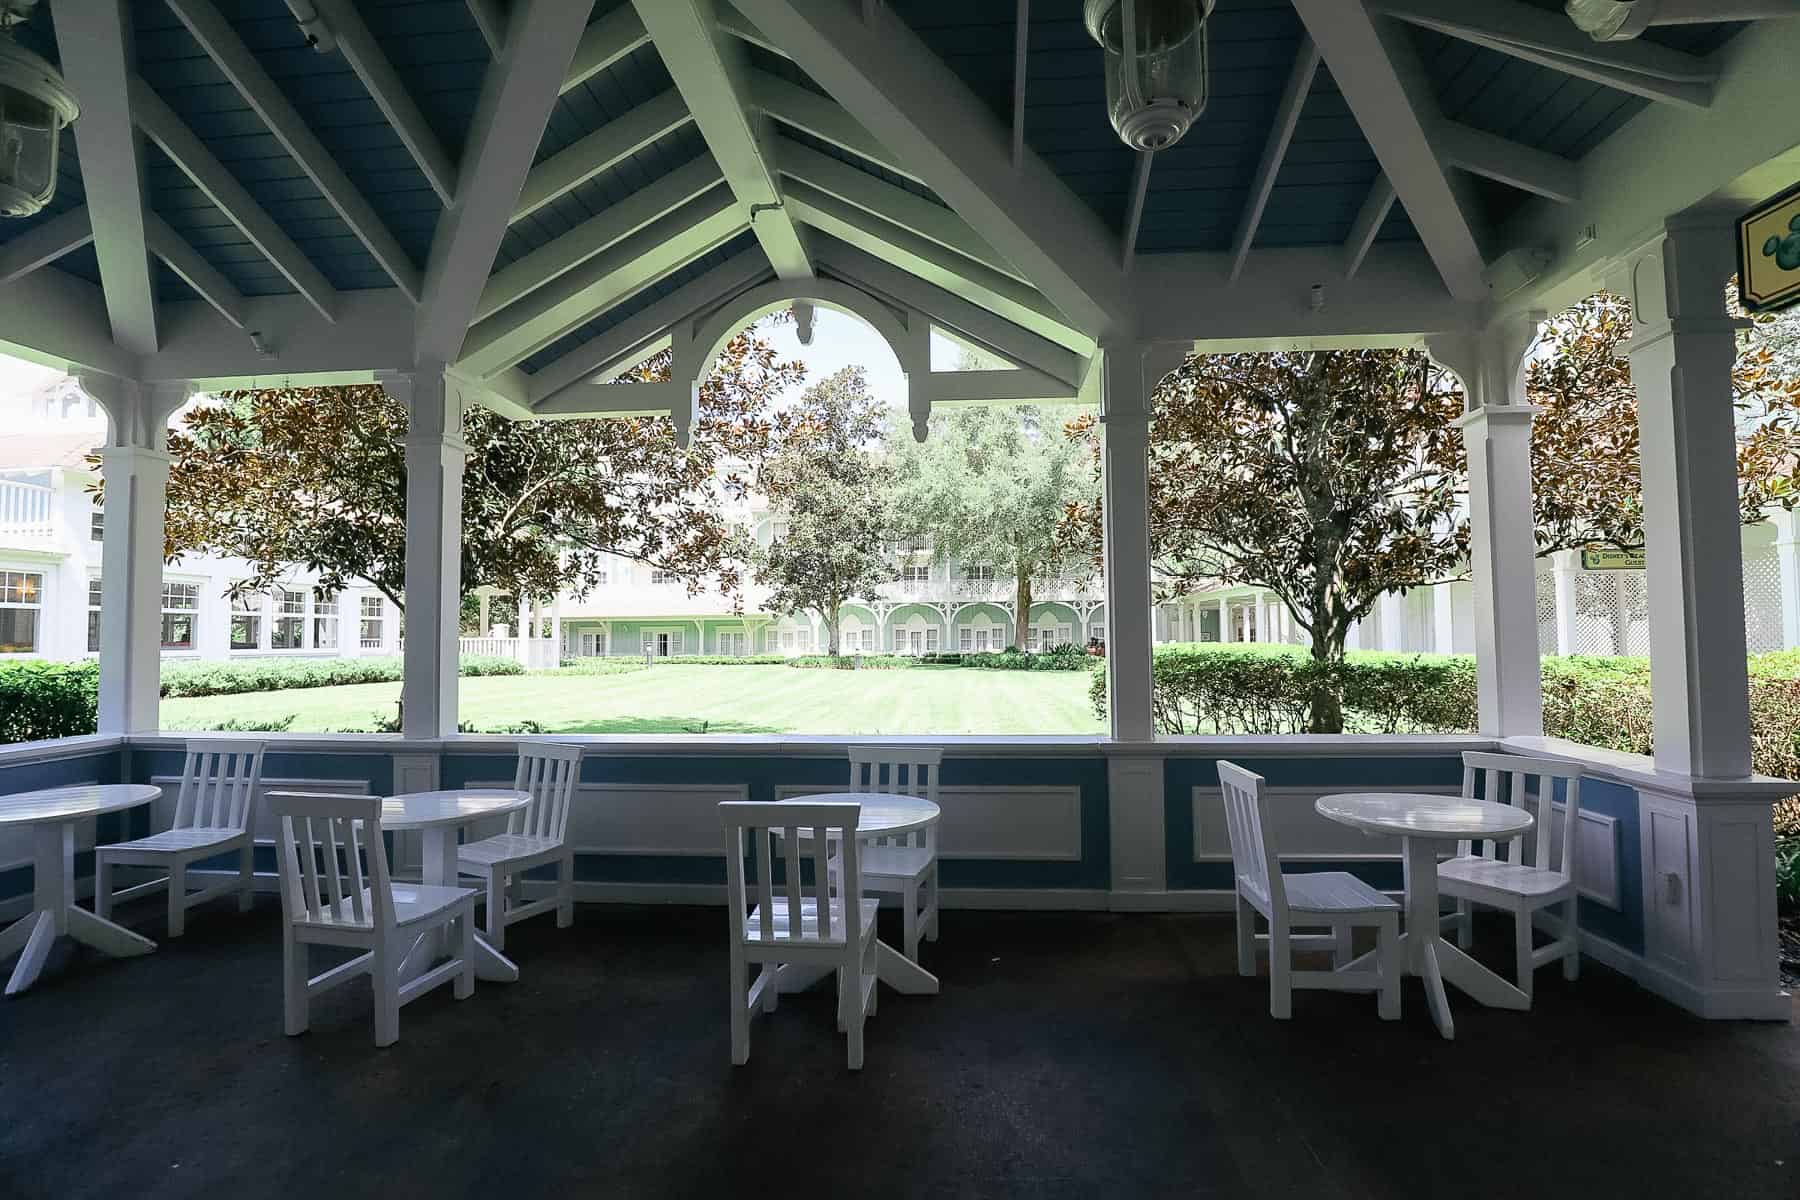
[1021, 603]
[831, 630]
[1325, 701]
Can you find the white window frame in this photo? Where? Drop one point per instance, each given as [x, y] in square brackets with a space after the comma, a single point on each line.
[253, 609]
[95, 627]
[170, 609]
[326, 610]
[965, 639]
[378, 619]
[280, 614]
[911, 573]
[932, 635]
[978, 573]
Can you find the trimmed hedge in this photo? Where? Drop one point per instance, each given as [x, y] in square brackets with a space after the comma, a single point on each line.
[278, 674]
[1062, 658]
[41, 700]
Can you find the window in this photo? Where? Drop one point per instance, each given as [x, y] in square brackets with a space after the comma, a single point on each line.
[658, 577]
[979, 573]
[732, 643]
[803, 640]
[1031, 638]
[868, 639]
[661, 644]
[373, 612]
[290, 620]
[93, 624]
[916, 573]
[931, 640]
[246, 622]
[325, 620]
[180, 608]
[601, 576]
[97, 525]
[593, 645]
[21, 600]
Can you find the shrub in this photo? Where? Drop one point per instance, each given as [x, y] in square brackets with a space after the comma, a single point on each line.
[277, 674]
[853, 662]
[723, 660]
[1062, 658]
[1787, 872]
[48, 700]
[596, 666]
[244, 725]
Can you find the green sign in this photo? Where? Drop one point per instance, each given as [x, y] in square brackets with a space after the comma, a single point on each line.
[1768, 238]
[1612, 560]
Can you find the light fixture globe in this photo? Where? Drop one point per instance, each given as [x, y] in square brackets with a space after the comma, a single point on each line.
[1155, 66]
[34, 107]
[1610, 20]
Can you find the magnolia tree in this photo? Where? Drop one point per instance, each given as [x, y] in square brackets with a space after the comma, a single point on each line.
[317, 476]
[827, 482]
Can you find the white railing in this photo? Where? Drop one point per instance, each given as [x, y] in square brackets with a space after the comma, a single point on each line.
[26, 510]
[968, 590]
[534, 654]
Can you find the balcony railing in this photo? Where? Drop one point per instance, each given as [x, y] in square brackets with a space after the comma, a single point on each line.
[26, 510]
[967, 591]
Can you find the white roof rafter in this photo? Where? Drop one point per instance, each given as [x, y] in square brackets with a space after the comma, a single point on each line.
[43, 244]
[1281, 133]
[604, 43]
[600, 151]
[1369, 218]
[195, 271]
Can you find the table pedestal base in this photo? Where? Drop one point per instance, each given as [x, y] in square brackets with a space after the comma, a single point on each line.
[1436, 961]
[55, 915]
[891, 967]
[440, 871]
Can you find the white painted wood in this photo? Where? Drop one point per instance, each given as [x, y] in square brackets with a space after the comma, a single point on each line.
[994, 822]
[902, 858]
[94, 45]
[709, 67]
[1134, 206]
[535, 835]
[1377, 74]
[195, 271]
[434, 471]
[364, 54]
[824, 118]
[52, 815]
[1127, 380]
[1546, 876]
[823, 924]
[329, 898]
[1369, 218]
[187, 151]
[738, 26]
[604, 43]
[600, 151]
[1022, 385]
[490, 18]
[1287, 117]
[1492, 157]
[266, 99]
[43, 244]
[214, 815]
[1334, 900]
[1641, 68]
[1021, 75]
[917, 107]
[1138, 824]
[520, 89]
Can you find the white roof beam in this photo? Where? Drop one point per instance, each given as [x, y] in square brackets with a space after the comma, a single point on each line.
[931, 221]
[1378, 77]
[1287, 119]
[604, 43]
[44, 244]
[240, 66]
[1021, 73]
[600, 150]
[1375, 208]
[598, 233]
[194, 271]
[516, 99]
[363, 53]
[59, 320]
[371, 335]
[1550, 39]
[738, 26]
[1505, 161]
[162, 126]
[574, 298]
[709, 69]
[917, 107]
[590, 399]
[643, 333]
[822, 117]
[94, 42]
[490, 18]
[951, 310]
[1015, 301]
[1134, 205]
[1022, 385]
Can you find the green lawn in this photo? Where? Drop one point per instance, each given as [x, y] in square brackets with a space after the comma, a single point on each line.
[701, 699]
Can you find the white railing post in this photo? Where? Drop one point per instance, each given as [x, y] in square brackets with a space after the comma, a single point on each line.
[1126, 384]
[434, 470]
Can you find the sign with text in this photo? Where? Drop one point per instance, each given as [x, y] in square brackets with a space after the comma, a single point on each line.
[1612, 560]
[1769, 254]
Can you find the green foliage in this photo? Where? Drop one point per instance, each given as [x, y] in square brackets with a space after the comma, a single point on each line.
[1063, 658]
[1787, 872]
[721, 660]
[596, 666]
[48, 700]
[857, 662]
[270, 675]
[243, 725]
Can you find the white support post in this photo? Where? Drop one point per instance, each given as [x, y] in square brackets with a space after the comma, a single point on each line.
[135, 468]
[1682, 352]
[1502, 548]
[1224, 619]
[1787, 558]
[434, 474]
[1565, 571]
[1126, 385]
[1443, 619]
[1392, 607]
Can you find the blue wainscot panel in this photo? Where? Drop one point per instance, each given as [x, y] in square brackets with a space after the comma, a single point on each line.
[59, 768]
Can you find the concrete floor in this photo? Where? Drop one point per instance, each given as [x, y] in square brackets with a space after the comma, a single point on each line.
[1069, 1055]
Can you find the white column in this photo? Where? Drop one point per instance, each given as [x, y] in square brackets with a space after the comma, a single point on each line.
[1682, 351]
[1565, 570]
[1502, 548]
[481, 623]
[1392, 606]
[135, 468]
[1127, 382]
[434, 471]
[1443, 619]
[1787, 559]
[556, 630]
[1225, 619]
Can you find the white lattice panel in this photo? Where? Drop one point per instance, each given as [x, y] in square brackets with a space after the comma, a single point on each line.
[1762, 604]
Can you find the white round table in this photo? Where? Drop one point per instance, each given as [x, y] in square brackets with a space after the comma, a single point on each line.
[52, 814]
[1422, 823]
[437, 816]
[883, 815]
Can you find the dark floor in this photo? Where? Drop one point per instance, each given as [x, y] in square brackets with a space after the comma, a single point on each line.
[1069, 1055]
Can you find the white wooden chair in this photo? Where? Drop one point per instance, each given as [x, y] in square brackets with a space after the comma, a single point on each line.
[906, 865]
[1332, 899]
[535, 835]
[327, 899]
[214, 815]
[1521, 883]
[827, 922]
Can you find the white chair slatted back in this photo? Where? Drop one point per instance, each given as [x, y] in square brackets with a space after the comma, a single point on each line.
[1254, 858]
[899, 771]
[218, 784]
[1530, 784]
[548, 770]
[339, 832]
[758, 828]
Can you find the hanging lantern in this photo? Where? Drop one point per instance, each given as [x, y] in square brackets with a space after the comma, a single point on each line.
[1155, 66]
[34, 107]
